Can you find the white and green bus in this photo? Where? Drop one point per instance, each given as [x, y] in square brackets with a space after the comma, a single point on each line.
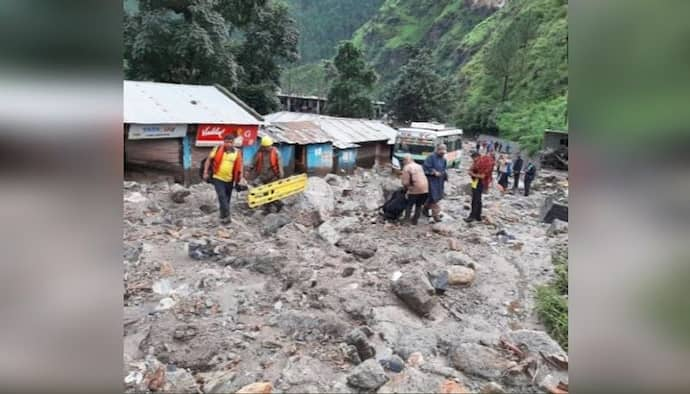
[421, 138]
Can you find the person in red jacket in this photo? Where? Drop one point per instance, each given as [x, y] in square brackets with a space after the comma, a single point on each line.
[480, 173]
[268, 167]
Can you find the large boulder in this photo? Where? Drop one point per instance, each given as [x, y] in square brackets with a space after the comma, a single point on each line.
[368, 375]
[273, 222]
[316, 203]
[478, 360]
[358, 245]
[333, 230]
[414, 289]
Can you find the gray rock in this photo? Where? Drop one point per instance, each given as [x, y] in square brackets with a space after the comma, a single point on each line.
[393, 363]
[358, 339]
[270, 263]
[304, 326]
[459, 258]
[348, 271]
[350, 353]
[368, 375]
[439, 280]
[328, 233]
[535, 341]
[332, 179]
[358, 245]
[413, 289]
[557, 227]
[475, 359]
[179, 193]
[219, 382]
[318, 199]
[273, 222]
[412, 380]
[179, 380]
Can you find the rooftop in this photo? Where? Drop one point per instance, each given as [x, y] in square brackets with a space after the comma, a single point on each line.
[169, 103]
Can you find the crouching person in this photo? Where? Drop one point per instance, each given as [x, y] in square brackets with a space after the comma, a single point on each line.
[224, 166]
[415, 182]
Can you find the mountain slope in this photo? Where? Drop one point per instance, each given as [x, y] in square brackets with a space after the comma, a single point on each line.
[324, 23]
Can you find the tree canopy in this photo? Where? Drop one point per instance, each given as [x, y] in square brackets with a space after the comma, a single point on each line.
[350, 92]
[418, 94]
[239, 44]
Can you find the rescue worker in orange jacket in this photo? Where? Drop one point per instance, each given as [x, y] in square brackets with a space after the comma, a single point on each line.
[268, 167]
[224, 166]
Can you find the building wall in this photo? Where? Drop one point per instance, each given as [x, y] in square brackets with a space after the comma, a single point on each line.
[345, 160]
[366, 154]
[161, 154]
[555, 140]
[319, 158]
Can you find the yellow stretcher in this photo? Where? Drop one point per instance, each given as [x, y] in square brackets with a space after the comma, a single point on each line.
[276, 190]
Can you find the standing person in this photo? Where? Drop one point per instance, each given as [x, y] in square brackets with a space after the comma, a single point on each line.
[480, 172]
[435, 170]
[517, 167]
[504, 170]
[499, 167]
[226, 170]
[477, 146]
[417, 186]
[530, 174]
[496, 145]
[268, 167]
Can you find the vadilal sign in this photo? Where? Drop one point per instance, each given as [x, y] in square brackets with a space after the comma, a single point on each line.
[146, 131]
[213, 134]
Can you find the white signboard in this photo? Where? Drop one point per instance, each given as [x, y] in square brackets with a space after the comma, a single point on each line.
[145, 131]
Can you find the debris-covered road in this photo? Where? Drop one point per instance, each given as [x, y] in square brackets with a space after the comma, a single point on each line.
[325, 297]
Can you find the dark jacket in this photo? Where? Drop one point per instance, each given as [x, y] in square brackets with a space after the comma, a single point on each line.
[517, 165]
[436, 183]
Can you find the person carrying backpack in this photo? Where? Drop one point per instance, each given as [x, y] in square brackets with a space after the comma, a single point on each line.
[224, 168]
[415, 183]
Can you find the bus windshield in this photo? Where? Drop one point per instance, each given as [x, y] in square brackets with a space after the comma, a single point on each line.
[414, 149]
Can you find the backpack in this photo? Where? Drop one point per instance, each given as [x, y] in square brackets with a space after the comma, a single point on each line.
[394, 207]
[509, 169]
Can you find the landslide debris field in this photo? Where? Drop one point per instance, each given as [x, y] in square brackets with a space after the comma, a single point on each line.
[326, 297]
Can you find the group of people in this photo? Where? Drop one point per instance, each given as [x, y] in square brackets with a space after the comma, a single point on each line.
[224, 168]
[424, 184]
[491, 146]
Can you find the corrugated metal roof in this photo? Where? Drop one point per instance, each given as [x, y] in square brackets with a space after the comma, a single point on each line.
[299, 132]
[163, 103]
[342, 130]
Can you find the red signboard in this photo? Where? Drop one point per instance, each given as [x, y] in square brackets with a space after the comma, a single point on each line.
[213, 134]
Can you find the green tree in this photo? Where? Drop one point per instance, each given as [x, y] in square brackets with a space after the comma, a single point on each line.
[207, 41]
[419, 93]
[350, 91]
[270, 38]
[505, 57]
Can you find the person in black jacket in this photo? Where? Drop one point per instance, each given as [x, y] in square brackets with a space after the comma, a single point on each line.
[517, 168]
[530, 174]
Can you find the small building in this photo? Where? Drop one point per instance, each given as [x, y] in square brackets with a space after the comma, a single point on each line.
[172, 127]
[367, 142]
[308, 148]
[555, 139]
[316, 104]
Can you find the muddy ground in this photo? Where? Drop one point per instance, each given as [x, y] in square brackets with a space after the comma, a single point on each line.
[304, 299]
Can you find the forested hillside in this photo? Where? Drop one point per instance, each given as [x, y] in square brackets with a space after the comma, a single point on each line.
[504, 63]
[324, 23]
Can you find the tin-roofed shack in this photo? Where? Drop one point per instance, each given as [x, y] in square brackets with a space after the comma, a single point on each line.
[303, 146]
[172, 127]
[366, 142]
